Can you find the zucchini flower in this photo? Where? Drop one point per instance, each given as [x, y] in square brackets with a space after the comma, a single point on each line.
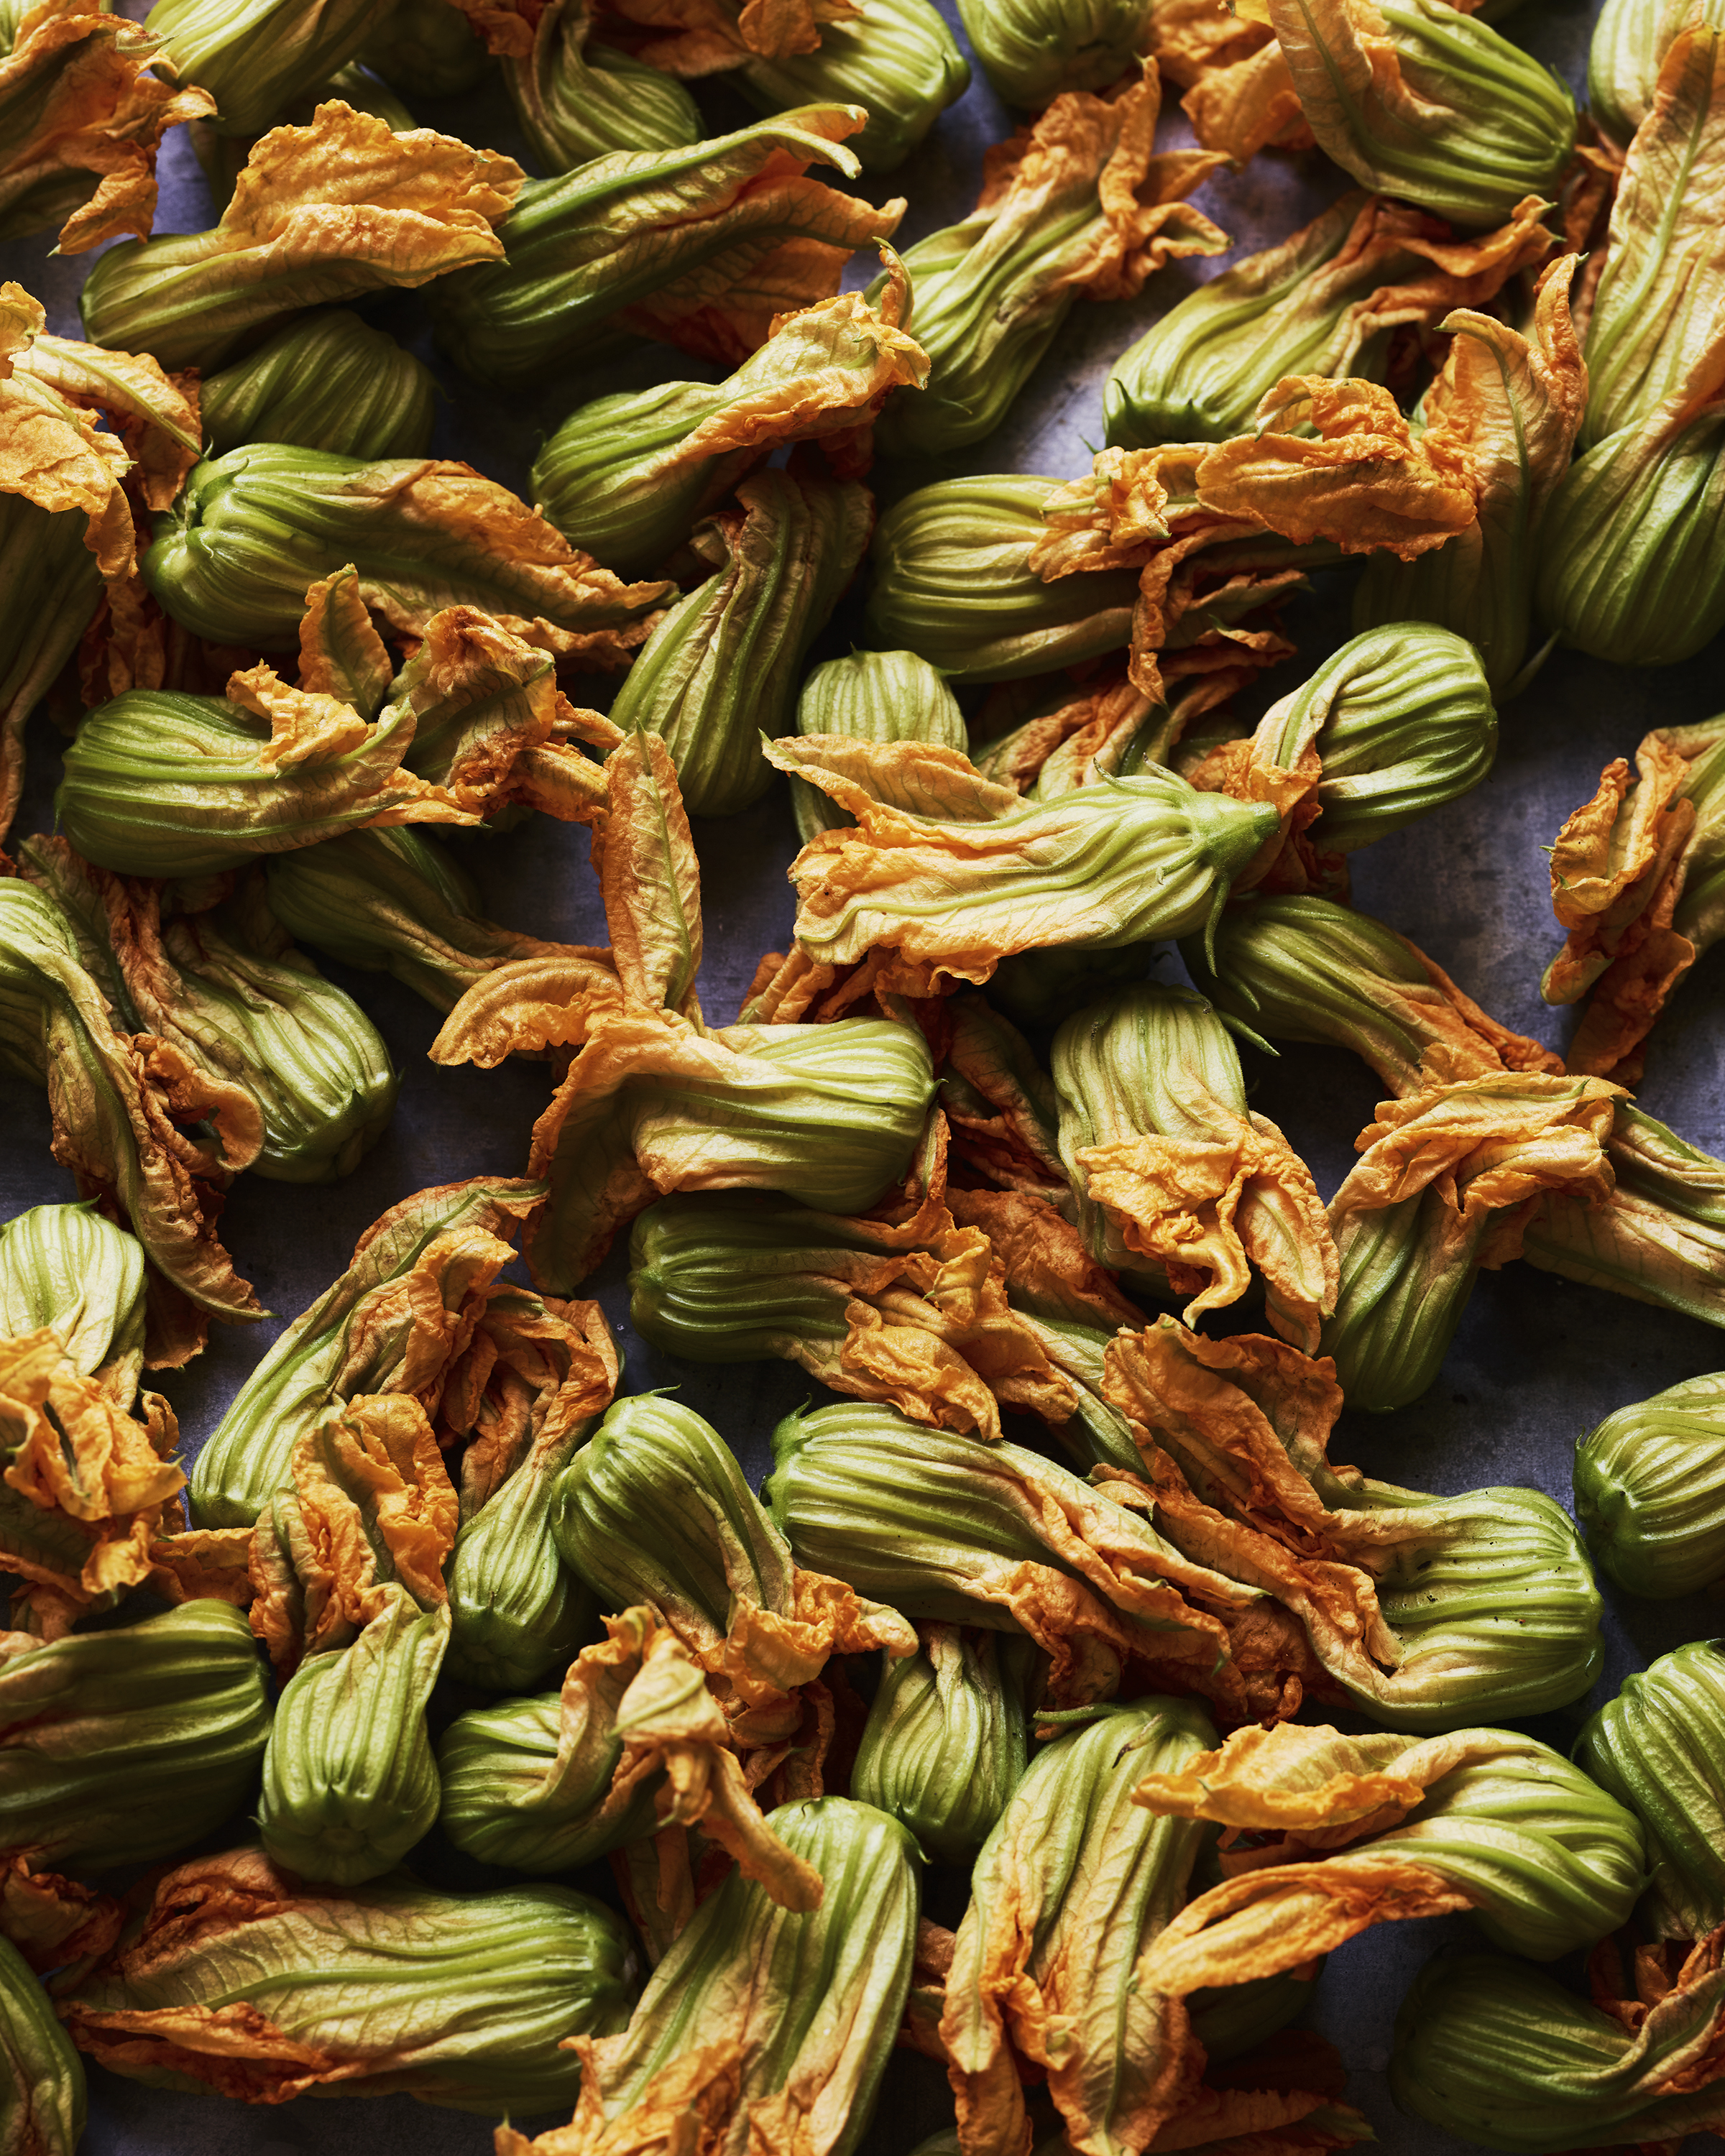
[1514, 402]
[393, 901]
[1325, 302]
[1637, 874]
[1420, 100]
[118, 1106]
[226, 994]
[1630, 40]
[896, 60]
[1497, 2053]
[795, 2012]
[1072, 1888]
[954, 582]
[1451, 1180]
[1175, 1180]
[636, 1743]
[393, 1322]
[1658, 1747]
[627, 476]
[947, 873]
[872, 695]
[257, 59]
[1428, 1612]
[330, 381]
[702, 247]
[1033, 51]
[529, 1390]
[1353, 1831]
[576, 100]
[43, 2099]
[121, 1746]
[1649, 1493]
[944, 1745]
[1076, 206]
[254, 529]
[82, 116]
[970, 1533]
[722, 668]
[160, 784]
[460, 1999]
[425, 48]
[65, 1267]
[716, 1568]
[347, 1558]
[323, 213]
[67, 524]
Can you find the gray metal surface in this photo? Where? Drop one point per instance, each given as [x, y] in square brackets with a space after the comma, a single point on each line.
[1537, 1362]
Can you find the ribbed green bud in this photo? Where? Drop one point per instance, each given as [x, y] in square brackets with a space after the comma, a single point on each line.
[52, 587]
[425, 48]
[1033, 50]
[258, 58]
[896, 58]
[812, 2002]
[121, 1747]
[43, 2101]
[66, 1267]
[1403, 721]
[944, 1745]
[252, 531]
[1630, 40]
[353, 1340]
[1649, 1491]
[349, 1779]
[1658, 1747]
[722, 668]
[514, 1793]
[1632, 567]
[462, 1999]
[872, 696]
[327, 382]
[1473, 126]
[1405, 1284]
[952, 581]
[577, 101]
[726, 1277]
[655, 1509]
[1504, 2057]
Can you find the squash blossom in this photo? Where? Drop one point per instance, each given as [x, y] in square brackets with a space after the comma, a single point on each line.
[1033, 51]
[425, 48]
[701, 246]
[1649, 1491]
[872, 695]
[43, 2101]
[257, 60]
[66, 1268]
[757, 2010]
[457, 2000]
[329, 382]
[1630, 40]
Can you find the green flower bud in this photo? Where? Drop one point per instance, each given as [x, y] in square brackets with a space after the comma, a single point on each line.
[1630, 40]
[257, 58]
[1090, 1878]
[53, 587]
[953, 582]
[66, 1267]
[1503, 2057]
[944, 1745]
[722, 668]
[894, 58]
[460, 1999]
[255, 529]
[356, 1338]
[425, 48]
[330, 381]
[655, 241]
[43, 2101]
[1033, 50]
[121, 1747]
[1649, 1491]
[1434, 107]
[1632, 568]
[577, 101]
[520, 1790]
[1658, 1747]
[807, 2005]
[350, 1780]
[732, 1277]
[872, 696]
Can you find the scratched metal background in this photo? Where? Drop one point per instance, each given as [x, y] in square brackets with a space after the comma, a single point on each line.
[1537, 1362]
